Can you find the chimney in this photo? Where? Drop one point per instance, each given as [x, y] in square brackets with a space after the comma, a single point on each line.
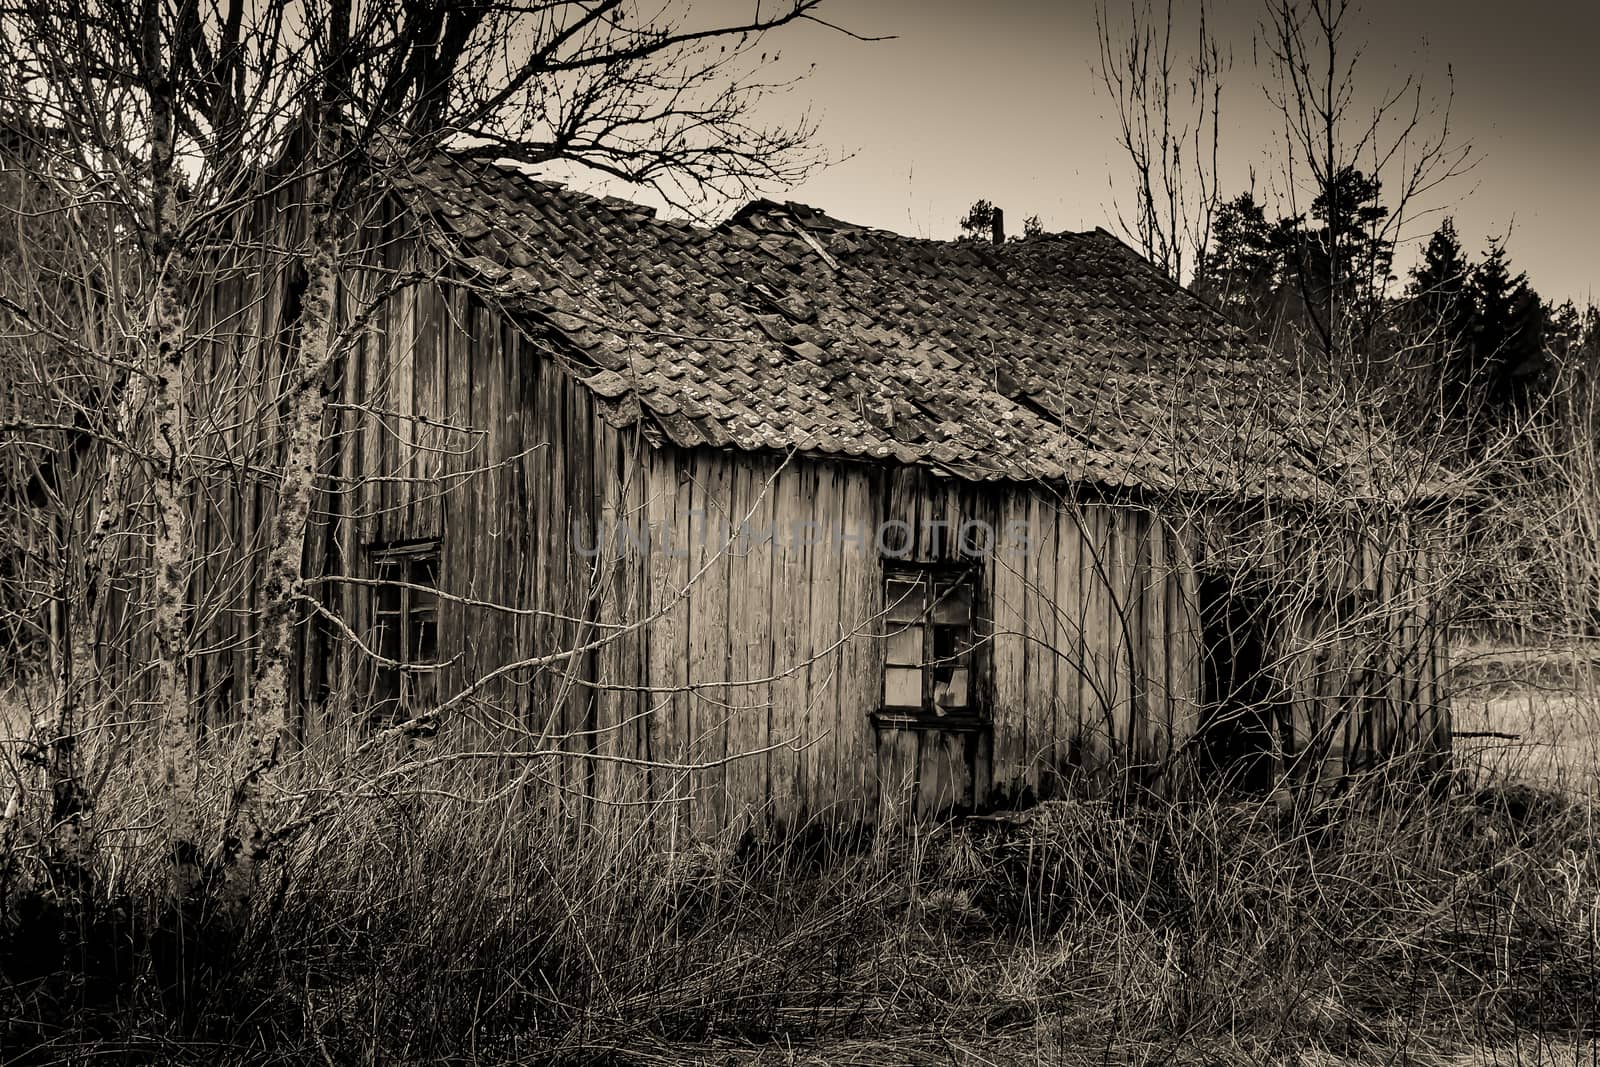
[997, 227]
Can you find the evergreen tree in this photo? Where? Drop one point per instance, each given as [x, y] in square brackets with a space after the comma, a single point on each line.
[1508, 360]
[1341, 268]
[1469, 344]
[1573, 343]
[978, 223]
[1320, 278]
[1570, 336]
[1242, 270]
[1441, 321]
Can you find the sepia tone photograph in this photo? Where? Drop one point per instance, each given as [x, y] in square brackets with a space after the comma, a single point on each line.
[821, 533]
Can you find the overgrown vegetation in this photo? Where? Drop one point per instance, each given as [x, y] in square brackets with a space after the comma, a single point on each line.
[434, 921]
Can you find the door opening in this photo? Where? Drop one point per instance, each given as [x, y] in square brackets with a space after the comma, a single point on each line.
[1238, 692]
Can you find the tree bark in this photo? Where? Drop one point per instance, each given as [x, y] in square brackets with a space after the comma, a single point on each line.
[270, 708]
[165, 361]
[169, 562]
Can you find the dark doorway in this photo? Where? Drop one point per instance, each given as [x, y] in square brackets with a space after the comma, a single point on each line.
[1237, 688]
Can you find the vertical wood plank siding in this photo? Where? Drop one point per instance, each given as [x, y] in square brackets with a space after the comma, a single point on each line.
[733, 604]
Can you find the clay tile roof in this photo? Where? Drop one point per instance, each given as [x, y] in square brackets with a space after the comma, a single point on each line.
[1060, 356]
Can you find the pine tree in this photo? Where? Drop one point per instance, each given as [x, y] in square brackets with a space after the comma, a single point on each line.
[1320, 277]
[1508, 352]
[978, 223]
[1570, 337]
[1441, 321]
[1573, 339]
[1341, 267]
[1243, 270]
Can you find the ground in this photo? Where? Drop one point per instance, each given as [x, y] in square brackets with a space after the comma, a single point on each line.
[1536, 712]
[1463, 933]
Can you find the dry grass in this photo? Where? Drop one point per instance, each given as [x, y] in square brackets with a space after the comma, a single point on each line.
[443, 918]
[434, 924]
[1543, 702]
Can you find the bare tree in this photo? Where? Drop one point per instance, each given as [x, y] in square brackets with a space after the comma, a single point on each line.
[1342, 149]
[1167, 105]
[170, 124]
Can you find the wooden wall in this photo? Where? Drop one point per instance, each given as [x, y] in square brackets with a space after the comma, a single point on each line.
[729, 680]
[776, 647]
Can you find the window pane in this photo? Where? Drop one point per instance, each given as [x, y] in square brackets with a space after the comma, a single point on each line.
[902, 687]
[951, 644]
[405, 625]
[914, 600]
[389, 597]
[955, 605]
[905, 599]
[387, 638]
[951, 695]
[905, 645]
[424, 638]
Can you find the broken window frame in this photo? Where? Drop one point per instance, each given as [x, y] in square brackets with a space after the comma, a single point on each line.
[948, 648]
[404, 627]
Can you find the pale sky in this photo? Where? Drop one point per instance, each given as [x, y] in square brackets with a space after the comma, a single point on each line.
[998, 100]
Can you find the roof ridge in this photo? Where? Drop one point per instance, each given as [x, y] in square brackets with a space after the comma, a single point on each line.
[540, 183]
[1234, 330]
[810, 218]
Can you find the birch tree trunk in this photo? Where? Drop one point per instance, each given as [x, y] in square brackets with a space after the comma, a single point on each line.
[165, 361]
[170, 565]
[283, 582]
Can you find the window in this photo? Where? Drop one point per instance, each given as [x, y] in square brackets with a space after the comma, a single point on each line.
[928, 621]
[405, 610]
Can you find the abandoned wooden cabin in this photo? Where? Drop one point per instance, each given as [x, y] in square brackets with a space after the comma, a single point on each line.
[789, 517]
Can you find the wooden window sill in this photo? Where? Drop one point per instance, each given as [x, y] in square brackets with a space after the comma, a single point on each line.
[895, 719]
